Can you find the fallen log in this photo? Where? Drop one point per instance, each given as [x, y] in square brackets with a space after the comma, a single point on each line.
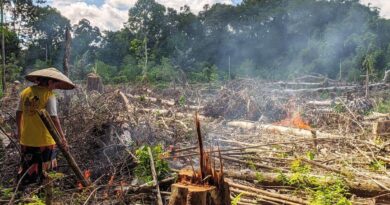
[332, 89]
[277, 129]
[359, 187]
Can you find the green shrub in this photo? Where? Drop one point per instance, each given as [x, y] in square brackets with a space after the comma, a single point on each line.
[322, 191]
[383, 106]
[142, 171]
[119, 79]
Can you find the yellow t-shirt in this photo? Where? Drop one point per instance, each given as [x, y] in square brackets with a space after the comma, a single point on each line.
[33, 131]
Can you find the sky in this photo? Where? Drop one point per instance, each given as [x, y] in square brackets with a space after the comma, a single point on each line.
[111, 14]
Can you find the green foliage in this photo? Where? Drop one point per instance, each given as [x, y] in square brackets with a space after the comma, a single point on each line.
[107, 72]
[259, 177]
[330, 194]
[237, 199]
[182, 100]
[383, 106]
[324, 95]
[40, 64]
[142, 171]
[142, 98]
[13, 69]
[56, 175]
[5, 193]
[323, 191]
[310, 155]
[162, 73]
[251, 164]
[377, 166]
[36, 201]
[339, 108]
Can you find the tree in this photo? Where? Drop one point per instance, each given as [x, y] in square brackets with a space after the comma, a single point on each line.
[368, 66]
[86, 38]
[46, 40]
[147, 21]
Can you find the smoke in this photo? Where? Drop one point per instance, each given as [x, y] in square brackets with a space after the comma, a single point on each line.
[296, 38]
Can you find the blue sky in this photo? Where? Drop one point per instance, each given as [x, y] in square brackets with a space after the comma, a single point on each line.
[111, 14]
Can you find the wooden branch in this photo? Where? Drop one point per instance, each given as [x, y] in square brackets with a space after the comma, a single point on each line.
[257, 165]
[331, 169]
[261, 196]
[359, 187]
[269, 194]
[159, 199]
[46, 119]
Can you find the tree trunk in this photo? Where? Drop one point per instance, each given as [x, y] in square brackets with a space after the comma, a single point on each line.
[67, 51]
[3, 46]
[94, 82]
[66, 67]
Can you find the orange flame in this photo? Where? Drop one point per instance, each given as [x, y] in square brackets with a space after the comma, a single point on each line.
[87, 175]
[295, 121]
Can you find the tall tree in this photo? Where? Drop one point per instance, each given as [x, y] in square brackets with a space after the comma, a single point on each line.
[47, 37]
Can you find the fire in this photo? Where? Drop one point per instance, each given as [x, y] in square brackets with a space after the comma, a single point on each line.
[87, 175]
[294, 121]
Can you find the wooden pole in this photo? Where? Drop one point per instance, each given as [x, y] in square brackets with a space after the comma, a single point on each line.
[3, 46]
[46, 119]
[200, 141]
[155, 180]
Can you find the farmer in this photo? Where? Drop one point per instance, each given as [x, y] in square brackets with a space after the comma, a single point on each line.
[37, 145]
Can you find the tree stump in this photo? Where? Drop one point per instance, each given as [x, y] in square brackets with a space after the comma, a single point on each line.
[381, 128]
[186, 192]
[94, 82]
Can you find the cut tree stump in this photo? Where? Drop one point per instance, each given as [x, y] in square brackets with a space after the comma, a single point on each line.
[186, 192]
[94, 82]
[381, 128]
[205, 186]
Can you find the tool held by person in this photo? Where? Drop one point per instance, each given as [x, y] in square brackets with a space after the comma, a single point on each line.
[46, 119]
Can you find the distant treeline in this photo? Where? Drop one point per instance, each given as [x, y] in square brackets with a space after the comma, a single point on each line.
[268, 39]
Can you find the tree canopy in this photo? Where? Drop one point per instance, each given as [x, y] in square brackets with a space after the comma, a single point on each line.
[272, 39]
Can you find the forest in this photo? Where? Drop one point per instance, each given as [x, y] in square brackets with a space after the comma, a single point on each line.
[279, 39]
[262, 102]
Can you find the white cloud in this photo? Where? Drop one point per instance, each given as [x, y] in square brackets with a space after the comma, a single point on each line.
[112, 14]
[383, 5]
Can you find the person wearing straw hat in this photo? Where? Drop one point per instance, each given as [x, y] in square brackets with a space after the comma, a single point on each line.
[38, 147]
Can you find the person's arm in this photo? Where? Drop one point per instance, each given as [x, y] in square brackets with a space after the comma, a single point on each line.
[57, 123]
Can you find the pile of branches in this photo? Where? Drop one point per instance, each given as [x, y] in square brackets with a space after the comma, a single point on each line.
[245, 99]
[103, 131]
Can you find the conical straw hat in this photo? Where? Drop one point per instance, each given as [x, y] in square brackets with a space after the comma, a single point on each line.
[65, 82]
